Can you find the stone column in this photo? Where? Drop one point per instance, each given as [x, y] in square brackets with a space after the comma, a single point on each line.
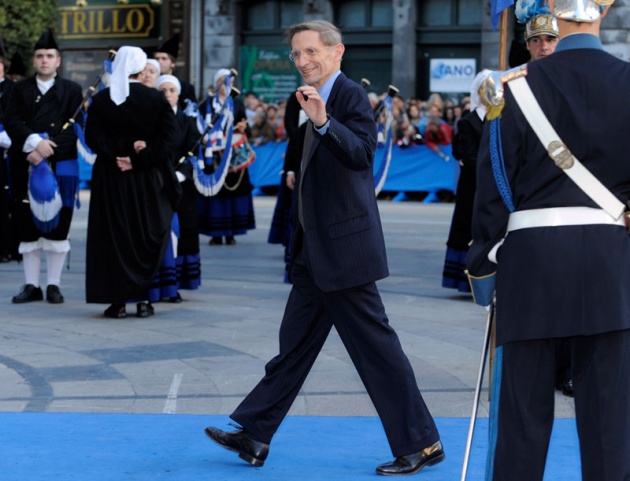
[404, 46]
[219, 38]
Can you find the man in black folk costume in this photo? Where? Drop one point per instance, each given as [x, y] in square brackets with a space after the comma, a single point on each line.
[8, 248]
[166, 54]
[38, 109]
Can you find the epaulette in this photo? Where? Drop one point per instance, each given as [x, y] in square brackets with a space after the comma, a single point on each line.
[493, 91]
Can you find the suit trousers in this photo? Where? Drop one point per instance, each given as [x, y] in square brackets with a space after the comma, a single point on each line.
[600, 368]
[360, 320]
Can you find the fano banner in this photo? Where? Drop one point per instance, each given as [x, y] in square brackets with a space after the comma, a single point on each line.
[139, 20]
[452, 74]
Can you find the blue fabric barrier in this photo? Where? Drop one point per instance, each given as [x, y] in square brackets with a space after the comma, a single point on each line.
[413, 169]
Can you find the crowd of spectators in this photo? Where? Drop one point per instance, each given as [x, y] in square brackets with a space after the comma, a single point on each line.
[428, 122]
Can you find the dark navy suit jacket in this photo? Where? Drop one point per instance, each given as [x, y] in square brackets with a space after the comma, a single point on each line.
[570, 280]
[342, 226]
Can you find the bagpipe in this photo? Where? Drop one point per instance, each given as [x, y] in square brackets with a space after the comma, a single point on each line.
[48, 192]
[220, 139]
[384, 117]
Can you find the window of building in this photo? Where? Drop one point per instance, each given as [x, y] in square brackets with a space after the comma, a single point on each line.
[436, 13]
[272, 15]
[364, 14]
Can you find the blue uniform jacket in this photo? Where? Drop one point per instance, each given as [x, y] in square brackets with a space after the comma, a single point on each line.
[570, 280]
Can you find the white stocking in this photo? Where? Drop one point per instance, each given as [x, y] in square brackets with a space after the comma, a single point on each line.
[54, 263]
[32, 261]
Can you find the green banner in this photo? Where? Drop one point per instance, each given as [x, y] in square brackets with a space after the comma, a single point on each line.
[268, 72]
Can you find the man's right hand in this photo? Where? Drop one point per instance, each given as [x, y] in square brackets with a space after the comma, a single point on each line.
[290, 180]
[45, 148]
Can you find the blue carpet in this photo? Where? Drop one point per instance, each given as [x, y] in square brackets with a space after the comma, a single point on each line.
[139, 447]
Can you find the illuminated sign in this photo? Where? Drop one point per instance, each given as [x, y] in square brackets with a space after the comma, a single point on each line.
[107, 22]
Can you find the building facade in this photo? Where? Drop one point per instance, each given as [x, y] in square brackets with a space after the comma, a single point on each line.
[420, 46]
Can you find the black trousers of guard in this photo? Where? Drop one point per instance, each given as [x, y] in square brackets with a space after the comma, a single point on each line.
[601, 378]
[360, 320]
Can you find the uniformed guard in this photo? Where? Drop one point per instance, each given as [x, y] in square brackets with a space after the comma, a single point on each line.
[38, 108]
[541, 35]
[548, 225]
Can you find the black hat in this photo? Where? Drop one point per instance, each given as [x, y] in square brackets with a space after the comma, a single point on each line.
[18, 67]
[171, 46]
[46, 41]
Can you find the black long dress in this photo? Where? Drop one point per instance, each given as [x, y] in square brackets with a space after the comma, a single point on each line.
[465, 148]
[188, 260]
[130, 212]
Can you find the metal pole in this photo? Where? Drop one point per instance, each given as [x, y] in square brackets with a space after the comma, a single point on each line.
[473, 416]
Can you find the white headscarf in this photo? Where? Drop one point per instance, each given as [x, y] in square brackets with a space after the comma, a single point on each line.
[128, 61]
[475, 100]
[156, 64]
[222, 72]
[163, 79]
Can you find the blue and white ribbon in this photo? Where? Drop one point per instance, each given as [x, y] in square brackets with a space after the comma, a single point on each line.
[385, 127]
[221, 131]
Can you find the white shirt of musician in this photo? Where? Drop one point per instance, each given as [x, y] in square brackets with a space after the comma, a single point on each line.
[34, 139]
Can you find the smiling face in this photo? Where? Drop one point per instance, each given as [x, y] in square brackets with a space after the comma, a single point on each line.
[315, 61]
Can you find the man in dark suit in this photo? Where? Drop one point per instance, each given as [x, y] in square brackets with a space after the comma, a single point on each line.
[338, 254]
[562, 260]
[38, 109]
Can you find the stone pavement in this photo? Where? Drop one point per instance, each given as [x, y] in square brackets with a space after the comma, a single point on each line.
[204, 355]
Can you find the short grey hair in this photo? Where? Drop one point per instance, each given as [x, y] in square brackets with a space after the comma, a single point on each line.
[329, 34]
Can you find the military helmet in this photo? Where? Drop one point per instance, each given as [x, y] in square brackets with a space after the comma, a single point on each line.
[543, 24]
[580, 10]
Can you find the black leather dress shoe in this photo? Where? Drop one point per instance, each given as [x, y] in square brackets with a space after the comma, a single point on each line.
[230, 240]
[248, 449]
[144, 309]
[216, 241]
[412, 463]
[53, 294]
[116, 311]
[29, 293]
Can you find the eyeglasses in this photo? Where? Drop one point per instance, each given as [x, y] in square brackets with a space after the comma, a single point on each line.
[309, 53]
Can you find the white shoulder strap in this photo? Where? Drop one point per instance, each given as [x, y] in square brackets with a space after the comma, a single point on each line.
[560, 153]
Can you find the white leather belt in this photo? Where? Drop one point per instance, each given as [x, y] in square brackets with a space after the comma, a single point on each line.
[560, 216]
[560, 153]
